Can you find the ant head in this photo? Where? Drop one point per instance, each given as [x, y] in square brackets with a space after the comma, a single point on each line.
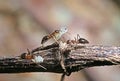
[23, 55]
[68, 41]
[83, 41]
[63, 29]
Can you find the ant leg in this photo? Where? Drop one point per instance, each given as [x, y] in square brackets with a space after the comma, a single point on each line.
[39, 64]
[62, 63]
[78, 36]
[76, 41]
[55, 39]
[62, 77]
[42, 45]
[63, 38]
[63, 66]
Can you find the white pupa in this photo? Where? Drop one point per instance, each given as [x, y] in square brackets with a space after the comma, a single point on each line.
[38, 59]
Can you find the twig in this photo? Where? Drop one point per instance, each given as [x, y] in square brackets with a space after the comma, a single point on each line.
[76, 58]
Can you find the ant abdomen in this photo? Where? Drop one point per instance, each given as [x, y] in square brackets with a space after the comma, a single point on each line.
[45, 39]
[83, 41]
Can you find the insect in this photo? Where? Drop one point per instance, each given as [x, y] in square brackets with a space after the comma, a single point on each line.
[56, 35]
[79, 40]
[27, 55]
[34, 58]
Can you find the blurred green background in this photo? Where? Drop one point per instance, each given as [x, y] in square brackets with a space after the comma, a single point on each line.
[23, 23]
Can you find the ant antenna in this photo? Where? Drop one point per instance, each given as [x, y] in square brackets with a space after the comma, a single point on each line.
[75, 39]
[78, 36]
[28, 51]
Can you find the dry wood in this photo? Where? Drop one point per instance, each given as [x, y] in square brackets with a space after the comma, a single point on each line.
[75, 58]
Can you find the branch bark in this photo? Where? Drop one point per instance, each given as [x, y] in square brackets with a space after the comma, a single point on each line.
[75, 58]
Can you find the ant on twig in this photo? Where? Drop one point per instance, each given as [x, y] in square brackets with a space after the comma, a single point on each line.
[34, 58]
[56, 35]
[78, 40]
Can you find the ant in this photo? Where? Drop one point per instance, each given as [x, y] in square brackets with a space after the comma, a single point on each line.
[27, 55]
[35, 59]
[79, 40]
[56, 35]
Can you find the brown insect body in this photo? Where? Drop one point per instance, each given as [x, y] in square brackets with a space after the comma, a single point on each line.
[71, 42]
[78, 41]
[28, 55]
[47, 37]
[35, 59]
[56, 35]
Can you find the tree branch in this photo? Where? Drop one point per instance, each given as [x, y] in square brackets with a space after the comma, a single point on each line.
[75, 58]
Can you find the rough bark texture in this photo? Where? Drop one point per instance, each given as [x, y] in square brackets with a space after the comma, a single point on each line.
[75, 58]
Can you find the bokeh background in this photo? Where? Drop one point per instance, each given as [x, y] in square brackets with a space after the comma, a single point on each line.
[23, 23]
